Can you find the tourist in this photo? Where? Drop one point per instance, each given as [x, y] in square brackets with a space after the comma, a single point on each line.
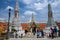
[49, 35]
[34, 30]
[16, 35]
[26, 31]
[42, 33]
[55, 31]
[21, 35]
[52, 33]
[59, 32]
[38, 34]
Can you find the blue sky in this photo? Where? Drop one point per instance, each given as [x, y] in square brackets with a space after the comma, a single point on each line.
[27, 7]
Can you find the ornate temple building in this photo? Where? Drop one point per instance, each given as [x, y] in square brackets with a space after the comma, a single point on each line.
[32, 24]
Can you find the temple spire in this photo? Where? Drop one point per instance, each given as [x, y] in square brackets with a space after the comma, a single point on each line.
[50, 21]
[32, 19]
[49, 7]
[16, 9]
[17, 5]
[50, 14]
[16, 21]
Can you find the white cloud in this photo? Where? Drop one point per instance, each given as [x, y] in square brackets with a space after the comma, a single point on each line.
[29, 12]
[39, 6]
[31, 19]
[10, 7]
[2, 20]
[55, 3]
[27, 1]
[56, 16]
[43, 19]
[22, 16]
[38, 0]
[36, 4]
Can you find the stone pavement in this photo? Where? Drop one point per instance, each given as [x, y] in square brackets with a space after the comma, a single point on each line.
[33, 39]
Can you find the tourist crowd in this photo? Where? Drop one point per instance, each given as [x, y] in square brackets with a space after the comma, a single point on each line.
[54, 32]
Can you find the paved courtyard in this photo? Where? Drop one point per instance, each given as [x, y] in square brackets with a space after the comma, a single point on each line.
[33, 39]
